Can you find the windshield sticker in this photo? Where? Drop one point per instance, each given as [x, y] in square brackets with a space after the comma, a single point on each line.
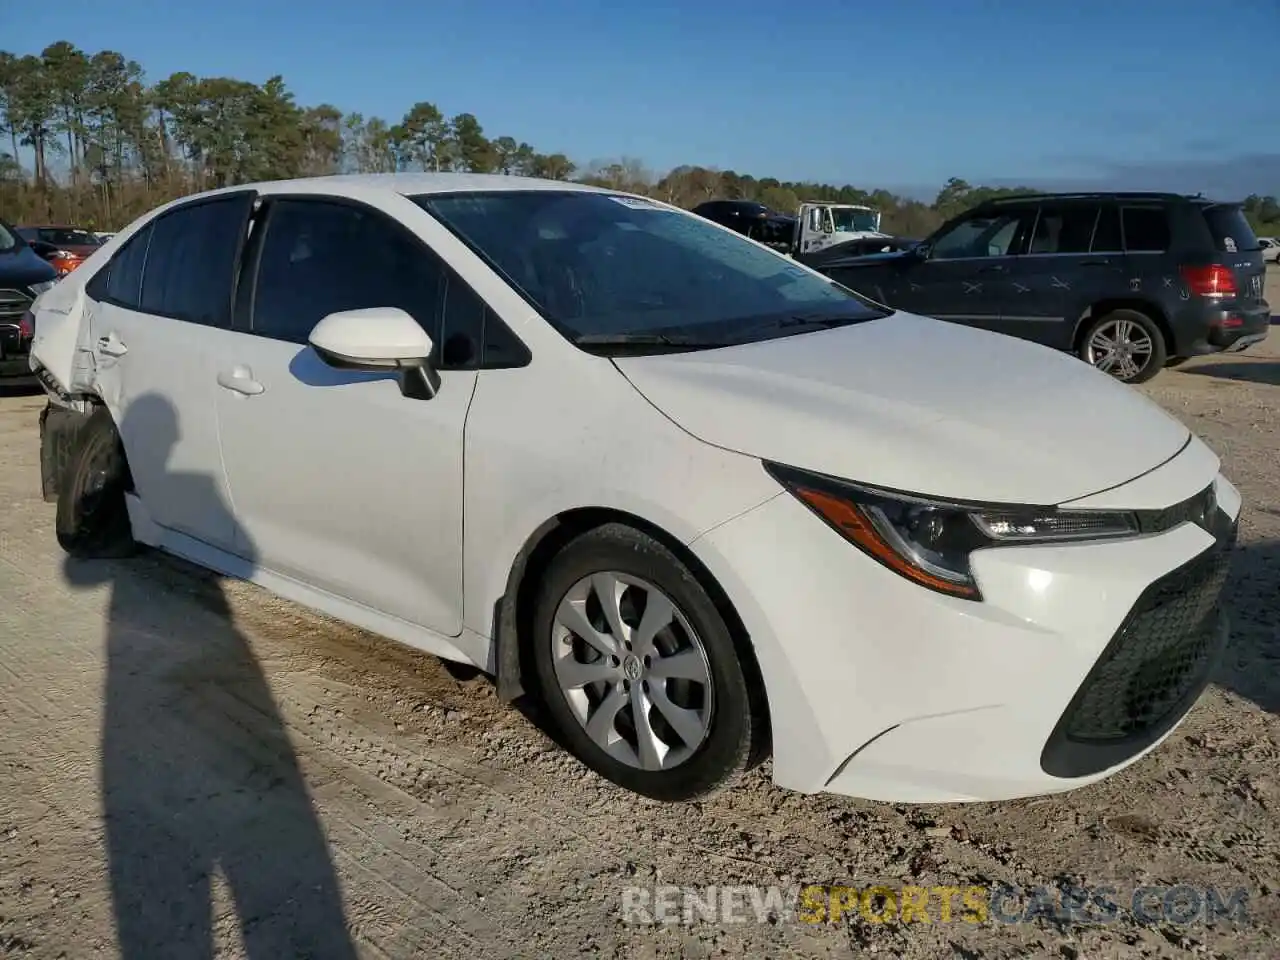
[636, 203]
[1230, 244]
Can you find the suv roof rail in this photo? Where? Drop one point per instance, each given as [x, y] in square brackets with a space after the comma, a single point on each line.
[1092, 195]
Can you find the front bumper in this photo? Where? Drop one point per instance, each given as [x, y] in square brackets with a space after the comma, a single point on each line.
[881, 689]
[15, 358]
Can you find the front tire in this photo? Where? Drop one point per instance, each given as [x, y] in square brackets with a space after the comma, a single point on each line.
[638, 669]
[92, 518]
[1126, 344]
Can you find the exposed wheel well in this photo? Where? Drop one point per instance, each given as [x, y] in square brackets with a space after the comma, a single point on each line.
[60, 423]
[513, 614]
[1144, 307]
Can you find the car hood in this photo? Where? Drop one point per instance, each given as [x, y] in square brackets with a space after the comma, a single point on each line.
[22, 267]
[917, 405]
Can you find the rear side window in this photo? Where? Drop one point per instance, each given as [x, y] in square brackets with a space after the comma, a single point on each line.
[123, 275]
[1231, 231]
[1146, 229]
[191, 266]
[1066, 228]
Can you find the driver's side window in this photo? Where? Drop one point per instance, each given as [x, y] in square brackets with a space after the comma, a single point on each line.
[983, 235]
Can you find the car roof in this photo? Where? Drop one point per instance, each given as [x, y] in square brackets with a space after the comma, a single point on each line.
[1136, 196]
[410, 184]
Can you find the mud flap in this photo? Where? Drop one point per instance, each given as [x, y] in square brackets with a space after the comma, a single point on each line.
[59, 430]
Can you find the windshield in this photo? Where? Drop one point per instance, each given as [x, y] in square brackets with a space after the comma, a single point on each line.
[7, 239]
[597, 265]
[854, 221]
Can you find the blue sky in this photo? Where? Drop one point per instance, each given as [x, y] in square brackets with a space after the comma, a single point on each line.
[1176, 94]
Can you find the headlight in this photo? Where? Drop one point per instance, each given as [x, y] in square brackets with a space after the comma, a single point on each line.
[930, 541]
[42, 286]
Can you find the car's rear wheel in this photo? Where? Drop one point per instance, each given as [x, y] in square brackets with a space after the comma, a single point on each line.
[92, 518]
[639, 670]
[1125, 344]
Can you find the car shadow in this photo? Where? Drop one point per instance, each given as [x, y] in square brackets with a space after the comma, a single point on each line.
[1250, 666]
[198, 776]
[1260, 370]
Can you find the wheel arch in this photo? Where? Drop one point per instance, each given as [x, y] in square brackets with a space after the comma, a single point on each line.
[61, 421]
[1147, 308]
[513, 612]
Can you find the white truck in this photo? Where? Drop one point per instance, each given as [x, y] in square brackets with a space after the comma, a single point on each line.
[821, 224]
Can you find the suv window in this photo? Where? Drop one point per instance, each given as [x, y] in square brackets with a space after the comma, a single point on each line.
[1146, 229]
[1228, 223]
[1064, 228]
[320, 257]
[121, 279]
[1106, 235]
[190, 270]
[981, 235]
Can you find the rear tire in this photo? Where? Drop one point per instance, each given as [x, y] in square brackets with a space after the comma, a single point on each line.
[92, 518]
[1126, 344]
[701, 722]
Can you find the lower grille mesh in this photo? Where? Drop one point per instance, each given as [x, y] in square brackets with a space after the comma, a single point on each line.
[1160, 654]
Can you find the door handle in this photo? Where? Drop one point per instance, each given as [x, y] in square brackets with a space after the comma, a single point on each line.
[994, 268]
[240, 381]
[112, 346]
[1102, 262]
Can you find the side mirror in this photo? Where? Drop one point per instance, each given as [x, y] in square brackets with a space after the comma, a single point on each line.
[921, 251]
[378, 339]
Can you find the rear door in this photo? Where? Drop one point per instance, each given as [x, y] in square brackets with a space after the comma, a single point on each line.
[1071, 260]
[161, 319]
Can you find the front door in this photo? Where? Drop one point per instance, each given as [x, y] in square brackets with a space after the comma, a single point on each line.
[158, 332]
[964, 278]
[338, 479]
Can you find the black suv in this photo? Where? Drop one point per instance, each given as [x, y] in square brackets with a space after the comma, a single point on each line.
[1130, 282]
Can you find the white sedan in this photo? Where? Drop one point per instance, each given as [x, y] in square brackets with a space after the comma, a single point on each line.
[701, 500]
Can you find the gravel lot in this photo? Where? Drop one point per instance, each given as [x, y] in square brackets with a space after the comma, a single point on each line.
[245, 771]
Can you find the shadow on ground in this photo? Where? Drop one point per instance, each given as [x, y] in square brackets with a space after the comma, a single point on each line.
[1250, 666]
[199, 778]
[1250, 371]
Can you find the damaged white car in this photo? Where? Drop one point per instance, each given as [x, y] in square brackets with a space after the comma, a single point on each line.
[702, 501]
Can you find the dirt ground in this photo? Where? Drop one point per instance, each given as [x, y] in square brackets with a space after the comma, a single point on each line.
[246, 774]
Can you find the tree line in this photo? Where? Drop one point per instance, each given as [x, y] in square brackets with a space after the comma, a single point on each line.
[106, 145]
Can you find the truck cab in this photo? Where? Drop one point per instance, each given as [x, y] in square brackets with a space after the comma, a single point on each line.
[820, 225]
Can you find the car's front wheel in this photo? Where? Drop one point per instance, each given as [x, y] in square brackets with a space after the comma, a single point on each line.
[639, 670]
[1126, 344]
[92, 517]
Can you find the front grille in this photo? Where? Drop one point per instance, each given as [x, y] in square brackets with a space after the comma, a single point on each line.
[1160, 655]
[13, 304]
